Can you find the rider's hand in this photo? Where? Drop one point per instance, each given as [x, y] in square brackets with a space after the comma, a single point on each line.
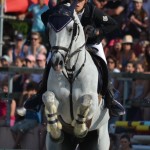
[90, 31]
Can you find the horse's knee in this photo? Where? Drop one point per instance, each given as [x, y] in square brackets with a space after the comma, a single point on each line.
[86, 106]
[48, 97]
[53, 125]
[80, 127]
[50, 102]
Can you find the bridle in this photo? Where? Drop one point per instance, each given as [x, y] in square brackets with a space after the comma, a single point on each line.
[69, 55]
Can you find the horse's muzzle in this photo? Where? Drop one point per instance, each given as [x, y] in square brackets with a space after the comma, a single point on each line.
[57, 62]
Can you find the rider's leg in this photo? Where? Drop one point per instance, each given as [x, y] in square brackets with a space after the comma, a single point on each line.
[36, 100]
[115, 108]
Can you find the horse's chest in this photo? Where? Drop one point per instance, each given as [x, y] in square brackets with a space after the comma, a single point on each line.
[62, 88]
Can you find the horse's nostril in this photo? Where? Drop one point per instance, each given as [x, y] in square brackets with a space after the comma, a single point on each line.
[61, 63]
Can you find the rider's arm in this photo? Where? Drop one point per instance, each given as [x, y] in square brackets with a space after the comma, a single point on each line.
[105, 23]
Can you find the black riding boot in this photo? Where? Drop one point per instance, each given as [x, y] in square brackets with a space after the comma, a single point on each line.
[36, 100]
[115, 108]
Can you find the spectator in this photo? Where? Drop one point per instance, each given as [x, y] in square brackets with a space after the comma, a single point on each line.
[127, 43]
[147, 56]
[36, 47]
[138, 19]
[21, 111]
[117, 10]
[30, 61]
[28, 91]
[41, 62]
[147, 97]
[4, 106]
[100, 3]
[130, 68]
[36, 10]
[115, 47]
[146, 110]
[114, 142]
[17, 49]
[5, 62]
[112, 64]
[1, 63]
[141, 57]
[18, 79]
[133, 57]
[138, 43]
[139, 91]
[19, 62]
[125, 143]
[146, 6]
[30, 121]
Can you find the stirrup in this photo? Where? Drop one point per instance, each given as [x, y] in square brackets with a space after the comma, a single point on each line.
[116, 109]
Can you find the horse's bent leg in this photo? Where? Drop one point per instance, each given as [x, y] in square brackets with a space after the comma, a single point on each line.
[80, 128]
[53, 125]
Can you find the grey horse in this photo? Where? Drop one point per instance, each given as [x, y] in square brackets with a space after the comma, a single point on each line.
[76, 116]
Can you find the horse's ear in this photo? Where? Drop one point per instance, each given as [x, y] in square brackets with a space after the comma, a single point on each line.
[45, 16]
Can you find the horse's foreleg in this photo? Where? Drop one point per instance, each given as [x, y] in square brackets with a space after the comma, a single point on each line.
[53, 125]
[80, 128]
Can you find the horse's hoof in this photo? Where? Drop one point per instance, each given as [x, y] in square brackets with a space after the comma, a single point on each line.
[82, 135]
[58, 140]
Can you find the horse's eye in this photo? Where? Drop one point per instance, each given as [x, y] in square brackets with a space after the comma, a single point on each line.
[70, 29]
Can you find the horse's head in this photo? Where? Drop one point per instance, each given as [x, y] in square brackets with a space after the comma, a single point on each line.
[66, 35]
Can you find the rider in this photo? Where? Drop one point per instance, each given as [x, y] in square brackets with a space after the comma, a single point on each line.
[96, 25]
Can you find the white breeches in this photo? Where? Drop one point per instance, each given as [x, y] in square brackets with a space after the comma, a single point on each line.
[100, 52]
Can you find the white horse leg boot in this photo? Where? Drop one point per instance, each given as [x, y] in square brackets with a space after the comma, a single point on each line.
[53, 125]
[80, 128]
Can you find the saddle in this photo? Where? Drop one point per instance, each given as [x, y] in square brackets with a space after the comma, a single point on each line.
[103, 73]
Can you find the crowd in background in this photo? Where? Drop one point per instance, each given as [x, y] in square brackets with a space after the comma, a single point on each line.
[126, 50]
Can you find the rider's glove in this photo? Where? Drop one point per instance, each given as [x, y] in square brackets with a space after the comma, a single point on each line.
[90, 31]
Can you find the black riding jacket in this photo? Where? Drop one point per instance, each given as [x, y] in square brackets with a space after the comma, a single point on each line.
[95, 17]
[98, 19]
